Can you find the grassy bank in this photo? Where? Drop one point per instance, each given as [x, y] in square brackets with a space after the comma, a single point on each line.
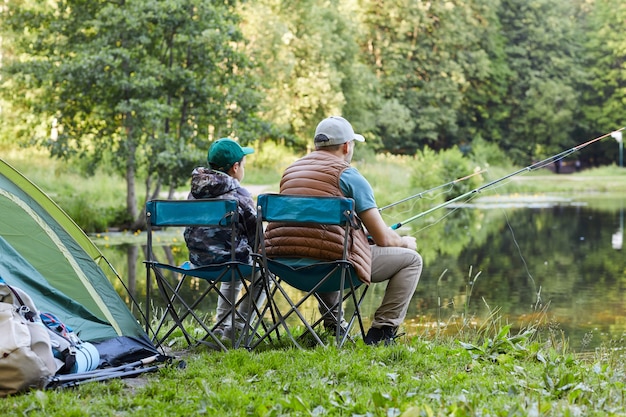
[499, 375]
[610, 179]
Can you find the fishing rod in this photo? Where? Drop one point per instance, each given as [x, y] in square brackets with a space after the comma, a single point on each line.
[107, 376]
[529, 168]
[121, 371]
[420, 195]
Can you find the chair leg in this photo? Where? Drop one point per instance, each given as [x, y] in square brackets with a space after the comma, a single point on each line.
[172, 295]
[163, 287]
[271, 307]
[280, 317]
[244, 310]
[279, 320]
[256, 336]
[255, 300]
[356, 300]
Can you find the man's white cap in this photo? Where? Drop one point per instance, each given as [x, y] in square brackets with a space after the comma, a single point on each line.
[335, 130]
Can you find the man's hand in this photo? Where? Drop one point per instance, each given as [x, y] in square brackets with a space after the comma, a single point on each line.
[381, 234]
[409, 242]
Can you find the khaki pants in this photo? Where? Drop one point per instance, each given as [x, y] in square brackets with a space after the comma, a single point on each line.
[402, 268]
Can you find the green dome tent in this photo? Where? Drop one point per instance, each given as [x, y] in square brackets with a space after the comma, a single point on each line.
[43, 252]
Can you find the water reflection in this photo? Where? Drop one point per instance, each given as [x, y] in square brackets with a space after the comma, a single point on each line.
[564, 259]
[617, 239]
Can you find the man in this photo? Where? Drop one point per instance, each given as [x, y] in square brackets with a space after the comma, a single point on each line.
[393, 258]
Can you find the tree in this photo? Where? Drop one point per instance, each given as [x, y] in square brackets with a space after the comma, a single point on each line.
[605, 93]
[308, 59]
[543, 53]
[482, 113]
[142, 85]
[424, 54]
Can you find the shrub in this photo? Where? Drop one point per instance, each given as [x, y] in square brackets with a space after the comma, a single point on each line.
[437, 168]
[268, 163]
[82, 210]
[488, 154]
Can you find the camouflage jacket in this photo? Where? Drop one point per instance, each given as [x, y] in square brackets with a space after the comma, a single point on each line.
[212, 245]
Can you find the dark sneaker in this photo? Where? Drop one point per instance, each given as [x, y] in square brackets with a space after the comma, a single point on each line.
[219, 331]
[332, 327]
[385, 334]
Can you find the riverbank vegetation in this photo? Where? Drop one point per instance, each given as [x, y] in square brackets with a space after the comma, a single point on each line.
[96, 202]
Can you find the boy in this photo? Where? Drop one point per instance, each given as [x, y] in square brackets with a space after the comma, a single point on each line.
[227, 160]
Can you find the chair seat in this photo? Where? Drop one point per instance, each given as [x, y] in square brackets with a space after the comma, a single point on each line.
[216, 272]
[304, 274]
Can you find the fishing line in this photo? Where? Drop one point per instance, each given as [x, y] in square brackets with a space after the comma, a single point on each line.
[519, 251]
[453, 210]
[441, 218]
[529, 168]
[411, 208]
[421, 194]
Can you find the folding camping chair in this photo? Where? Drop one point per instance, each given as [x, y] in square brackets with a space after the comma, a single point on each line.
[183, 303]
[309, 276]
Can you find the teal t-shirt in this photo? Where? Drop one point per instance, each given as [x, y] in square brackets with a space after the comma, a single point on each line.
[355, 186]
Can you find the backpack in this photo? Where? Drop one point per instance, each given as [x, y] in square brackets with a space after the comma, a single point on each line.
[74, 355]
[26, 359]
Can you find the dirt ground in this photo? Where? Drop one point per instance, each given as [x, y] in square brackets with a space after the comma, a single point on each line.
[179, 359]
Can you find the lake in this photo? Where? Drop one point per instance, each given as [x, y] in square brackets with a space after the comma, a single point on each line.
[556, 262]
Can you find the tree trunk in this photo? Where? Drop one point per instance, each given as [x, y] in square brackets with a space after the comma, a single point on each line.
[132, 256]
[171, 193]
[131, 193]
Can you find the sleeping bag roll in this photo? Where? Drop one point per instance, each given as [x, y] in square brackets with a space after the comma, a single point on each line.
[87, 358]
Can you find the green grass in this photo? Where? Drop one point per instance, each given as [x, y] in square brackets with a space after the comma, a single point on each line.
[499, 375]
[609, 179]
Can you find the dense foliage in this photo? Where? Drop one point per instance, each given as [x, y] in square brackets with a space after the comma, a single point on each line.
[143, 86]
[139, 85]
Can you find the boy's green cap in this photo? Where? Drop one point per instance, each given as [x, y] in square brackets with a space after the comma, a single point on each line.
[224, 152]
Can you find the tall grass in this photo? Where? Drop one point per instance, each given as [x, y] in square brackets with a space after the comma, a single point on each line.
[95, 202]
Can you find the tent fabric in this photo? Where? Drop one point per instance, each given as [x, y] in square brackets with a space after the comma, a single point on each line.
[46, 254]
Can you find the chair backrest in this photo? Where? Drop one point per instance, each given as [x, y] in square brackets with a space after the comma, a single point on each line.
[182, 213]
[204, 212]
[305, 209]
